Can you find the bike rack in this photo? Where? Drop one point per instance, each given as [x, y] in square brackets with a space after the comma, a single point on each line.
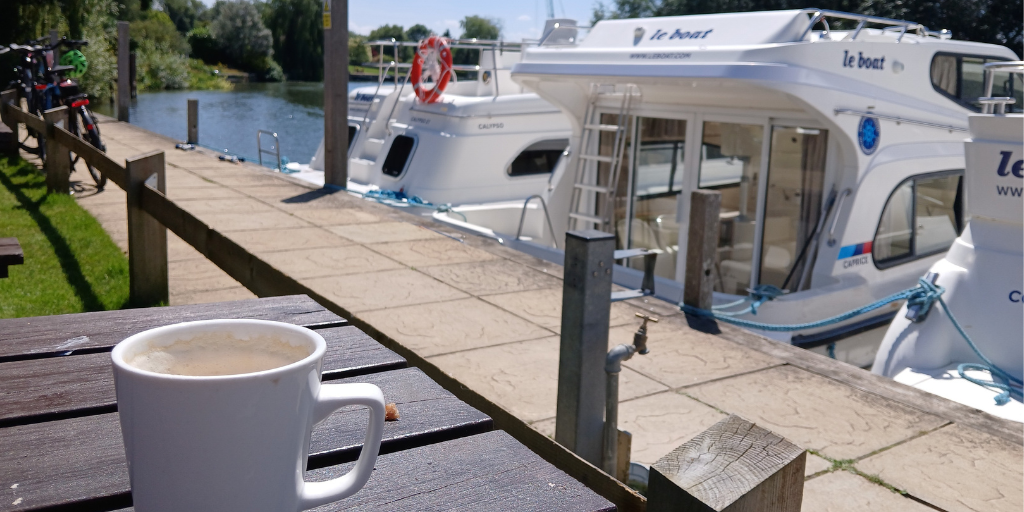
[276, 147]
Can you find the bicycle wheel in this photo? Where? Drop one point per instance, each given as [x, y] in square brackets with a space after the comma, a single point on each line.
[86, 130]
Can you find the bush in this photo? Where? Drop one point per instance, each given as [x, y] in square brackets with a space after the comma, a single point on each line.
[239, 31]
[158, 68]
[157, 28]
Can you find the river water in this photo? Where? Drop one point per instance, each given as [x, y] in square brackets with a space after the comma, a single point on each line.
[228, 120]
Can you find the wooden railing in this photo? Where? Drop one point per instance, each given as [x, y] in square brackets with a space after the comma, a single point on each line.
[150, 212]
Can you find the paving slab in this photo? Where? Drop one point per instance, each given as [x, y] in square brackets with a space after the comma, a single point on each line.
[684, 357]
[279, 192]
[444, 327]
[176, 180]
[425, 253]
[329, 261]
[816, 465]
[493, 277]
[382, 290]
[815, 412]
[227, 294]
[254, 220]
[544, 308]
[660, 423]
[186, 193]
[271, 240]
[384, 232]
[843, 491]
[253, 179]
[180, 250]
[523, 377]
[225, 205]
[955, 468]
[198, 275]
[334, 216]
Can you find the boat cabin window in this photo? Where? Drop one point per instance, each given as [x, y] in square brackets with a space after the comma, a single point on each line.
[961, 78]
[352, 130]
[922, 217]
[730, 162]
[398, 156]
[538, 158]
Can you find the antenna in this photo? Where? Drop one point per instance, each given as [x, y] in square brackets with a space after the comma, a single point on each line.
[551, 9]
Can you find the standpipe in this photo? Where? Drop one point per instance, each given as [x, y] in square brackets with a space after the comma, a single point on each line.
[613, 366]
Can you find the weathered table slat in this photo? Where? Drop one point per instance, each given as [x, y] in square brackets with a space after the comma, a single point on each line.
[82, 459]
[10, 254]
[35, 337]
[489, 471]
[55, 388]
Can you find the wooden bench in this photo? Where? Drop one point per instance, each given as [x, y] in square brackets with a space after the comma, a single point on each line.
[10, 254]
[61, 441]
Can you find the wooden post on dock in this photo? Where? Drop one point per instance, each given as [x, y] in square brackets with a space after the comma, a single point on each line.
[9, 138]
[147, 237]
[123, 72]
[586, 311]
[702, 248]
[57, 164]
[193, 122]
[335, 20]
[733, 466]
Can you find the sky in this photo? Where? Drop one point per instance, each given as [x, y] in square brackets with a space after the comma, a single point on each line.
[519, 18]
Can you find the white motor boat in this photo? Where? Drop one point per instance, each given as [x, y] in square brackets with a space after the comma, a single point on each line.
[486, 139]
[838, 155]
[983, 275]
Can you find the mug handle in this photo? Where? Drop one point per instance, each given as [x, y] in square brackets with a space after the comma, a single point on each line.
[331, 398]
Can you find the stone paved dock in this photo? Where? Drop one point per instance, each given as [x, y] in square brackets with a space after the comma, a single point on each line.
[489, 317]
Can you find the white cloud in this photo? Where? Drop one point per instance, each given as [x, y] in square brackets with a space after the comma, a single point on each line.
[523, 18]
[359, 29]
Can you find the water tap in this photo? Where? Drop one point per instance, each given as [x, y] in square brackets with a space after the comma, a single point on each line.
[640, 337]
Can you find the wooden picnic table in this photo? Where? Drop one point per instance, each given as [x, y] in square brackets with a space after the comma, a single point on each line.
[60, 438]
[10, 254]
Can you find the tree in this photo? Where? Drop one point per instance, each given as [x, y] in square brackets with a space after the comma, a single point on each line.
[357, 51]
[158, 29]
[241, 35]
[298, 35]
[417, 32]
[480, 27]
[184, 13]
[386, 33]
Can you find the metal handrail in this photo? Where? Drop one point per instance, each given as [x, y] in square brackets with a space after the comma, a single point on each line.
[835, 220]
[260, 150]
[522, 218]
[898, 119]
[861, 19]
[997, 105]
[366, 117]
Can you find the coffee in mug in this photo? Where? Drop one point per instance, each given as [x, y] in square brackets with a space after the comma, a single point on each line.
[216, 415]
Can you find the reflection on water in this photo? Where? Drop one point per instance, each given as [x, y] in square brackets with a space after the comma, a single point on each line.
[228, 120]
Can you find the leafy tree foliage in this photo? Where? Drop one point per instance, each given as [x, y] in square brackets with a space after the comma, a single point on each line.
[184, 13]
[480, 28]
[298, 37]
[358, 53]
[158, 29]
[417, 32]
[239, 31]
[386, 32]
[988, 21]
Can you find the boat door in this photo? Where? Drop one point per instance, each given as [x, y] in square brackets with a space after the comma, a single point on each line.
[772, 195]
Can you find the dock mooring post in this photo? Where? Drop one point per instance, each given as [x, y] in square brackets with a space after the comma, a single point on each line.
[57, 163]
[193, 122]
[123, 72]
[734, 466]
[702, 248]
[586, 310]
[147, 237]
[9, 138]
[335, 20]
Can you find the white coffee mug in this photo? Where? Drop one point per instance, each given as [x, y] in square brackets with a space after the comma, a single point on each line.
[234, 442]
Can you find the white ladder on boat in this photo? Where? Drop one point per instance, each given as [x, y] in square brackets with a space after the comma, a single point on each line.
[592, 204]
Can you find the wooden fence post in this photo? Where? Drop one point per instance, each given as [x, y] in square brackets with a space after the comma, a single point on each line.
[193, 122]
[147, 238]
[335, 20]
[702, 248]
[9, 140]
[586, 309]
[58, 161]
[733, 466]
[123, 72]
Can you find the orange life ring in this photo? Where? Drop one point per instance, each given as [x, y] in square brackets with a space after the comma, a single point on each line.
[433, 60]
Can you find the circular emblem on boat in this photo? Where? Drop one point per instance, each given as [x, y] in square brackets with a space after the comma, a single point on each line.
[868, 134]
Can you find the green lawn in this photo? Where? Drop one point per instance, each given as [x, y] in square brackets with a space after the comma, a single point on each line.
[71, 264]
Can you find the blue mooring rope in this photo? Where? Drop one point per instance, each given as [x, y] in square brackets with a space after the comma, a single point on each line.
[922, 295]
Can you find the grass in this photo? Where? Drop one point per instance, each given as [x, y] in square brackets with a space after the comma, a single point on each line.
[71, 264]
